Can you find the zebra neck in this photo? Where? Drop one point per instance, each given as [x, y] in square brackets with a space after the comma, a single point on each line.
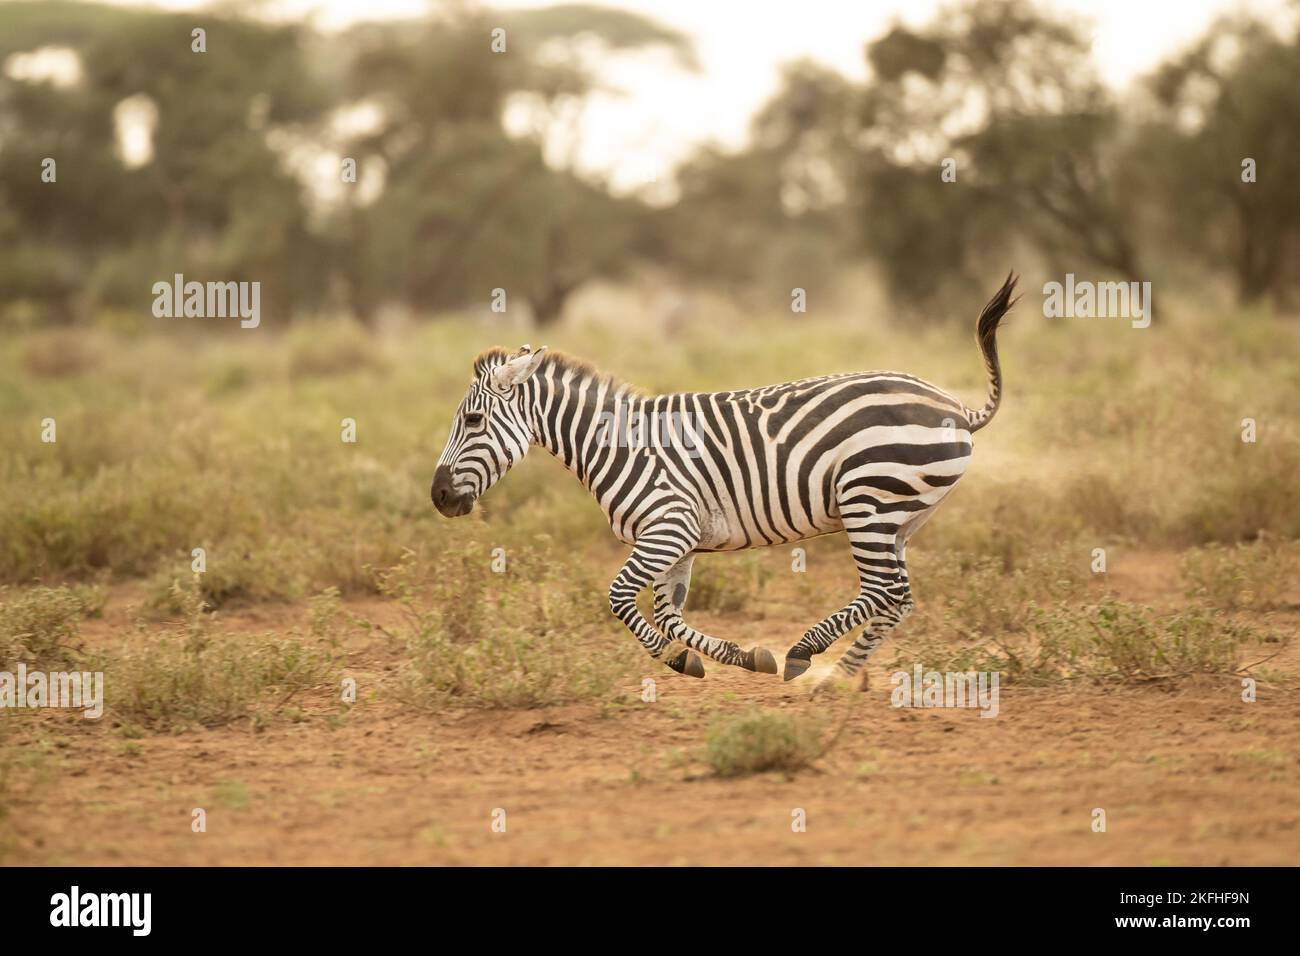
[568, 414]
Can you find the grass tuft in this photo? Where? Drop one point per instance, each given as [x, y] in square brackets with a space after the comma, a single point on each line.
[40, 625]
[760, 741]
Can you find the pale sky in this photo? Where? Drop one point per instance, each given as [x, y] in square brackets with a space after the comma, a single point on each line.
[664, 112]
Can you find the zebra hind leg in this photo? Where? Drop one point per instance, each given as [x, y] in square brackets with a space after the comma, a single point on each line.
[882, 589]
[670, 590]
[855, 658]
[881, 626]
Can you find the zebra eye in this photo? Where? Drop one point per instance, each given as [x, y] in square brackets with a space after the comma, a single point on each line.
[473, 420]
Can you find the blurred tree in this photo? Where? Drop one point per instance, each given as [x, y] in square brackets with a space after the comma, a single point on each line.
[771, 217]
[467, 208]
[175, 161]
[209, 196]
[1234, 96]
[1005, 93]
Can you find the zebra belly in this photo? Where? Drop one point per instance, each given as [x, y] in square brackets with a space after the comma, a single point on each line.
[722, 527]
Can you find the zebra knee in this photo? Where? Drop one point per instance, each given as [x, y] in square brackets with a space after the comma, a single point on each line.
[669, 622]
[622, 604]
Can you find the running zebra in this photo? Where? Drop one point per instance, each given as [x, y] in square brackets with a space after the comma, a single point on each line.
[869, 453]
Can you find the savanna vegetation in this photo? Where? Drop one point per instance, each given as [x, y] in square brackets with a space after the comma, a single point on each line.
[229, 446]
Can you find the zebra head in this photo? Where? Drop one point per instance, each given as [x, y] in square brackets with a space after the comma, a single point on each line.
[491, 431]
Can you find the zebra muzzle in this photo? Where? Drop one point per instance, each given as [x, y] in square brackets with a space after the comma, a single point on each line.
[449, 502]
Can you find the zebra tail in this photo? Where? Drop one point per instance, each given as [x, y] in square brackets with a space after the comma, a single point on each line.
[986, 331]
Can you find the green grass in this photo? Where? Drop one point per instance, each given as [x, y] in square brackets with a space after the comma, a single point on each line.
[1242, 576]
[476, 637]
[232, 443]
[1111, 641]
[175, 682]
[197, 675]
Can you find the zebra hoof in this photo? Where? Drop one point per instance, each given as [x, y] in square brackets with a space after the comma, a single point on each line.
[795, 666]
[759, 660]
[688, 664]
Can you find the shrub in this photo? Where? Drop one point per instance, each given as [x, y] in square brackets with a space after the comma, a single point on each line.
[762, 740]
[177, 680]
[239, 572]
[1251, 489]
[1238, 576]
[1110, 641]
[481, 638]
[40, 625]
[983, 600]
[508, 668]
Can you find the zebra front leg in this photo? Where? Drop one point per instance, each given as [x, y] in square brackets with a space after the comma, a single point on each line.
[651, 557]
[670, 592]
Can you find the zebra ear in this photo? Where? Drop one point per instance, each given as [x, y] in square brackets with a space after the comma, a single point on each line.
[517, 368]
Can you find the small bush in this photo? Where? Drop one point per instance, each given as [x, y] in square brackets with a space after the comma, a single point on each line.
[1117, 639]
[510, 668]
[510, 639]
[1111, 641]
[760, 741]
[983, 600]
[938, 654]
[238, 572]
[1251, 489]
[1006, 521]
[327, 615]
[174, 681]
[1231, 577]
[41, 625]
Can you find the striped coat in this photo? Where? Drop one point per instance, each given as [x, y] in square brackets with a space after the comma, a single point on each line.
[868, 453]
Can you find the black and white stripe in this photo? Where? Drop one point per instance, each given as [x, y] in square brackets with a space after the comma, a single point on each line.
[868, 453]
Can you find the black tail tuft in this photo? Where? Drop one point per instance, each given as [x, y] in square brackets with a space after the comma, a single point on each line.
[986, 331]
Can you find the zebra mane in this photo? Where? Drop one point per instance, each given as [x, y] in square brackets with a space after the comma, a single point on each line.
[561, 362]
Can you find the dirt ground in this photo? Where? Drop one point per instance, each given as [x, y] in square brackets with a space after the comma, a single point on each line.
[1186, 773]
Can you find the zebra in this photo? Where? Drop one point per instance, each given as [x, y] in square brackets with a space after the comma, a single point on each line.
[872, 454]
